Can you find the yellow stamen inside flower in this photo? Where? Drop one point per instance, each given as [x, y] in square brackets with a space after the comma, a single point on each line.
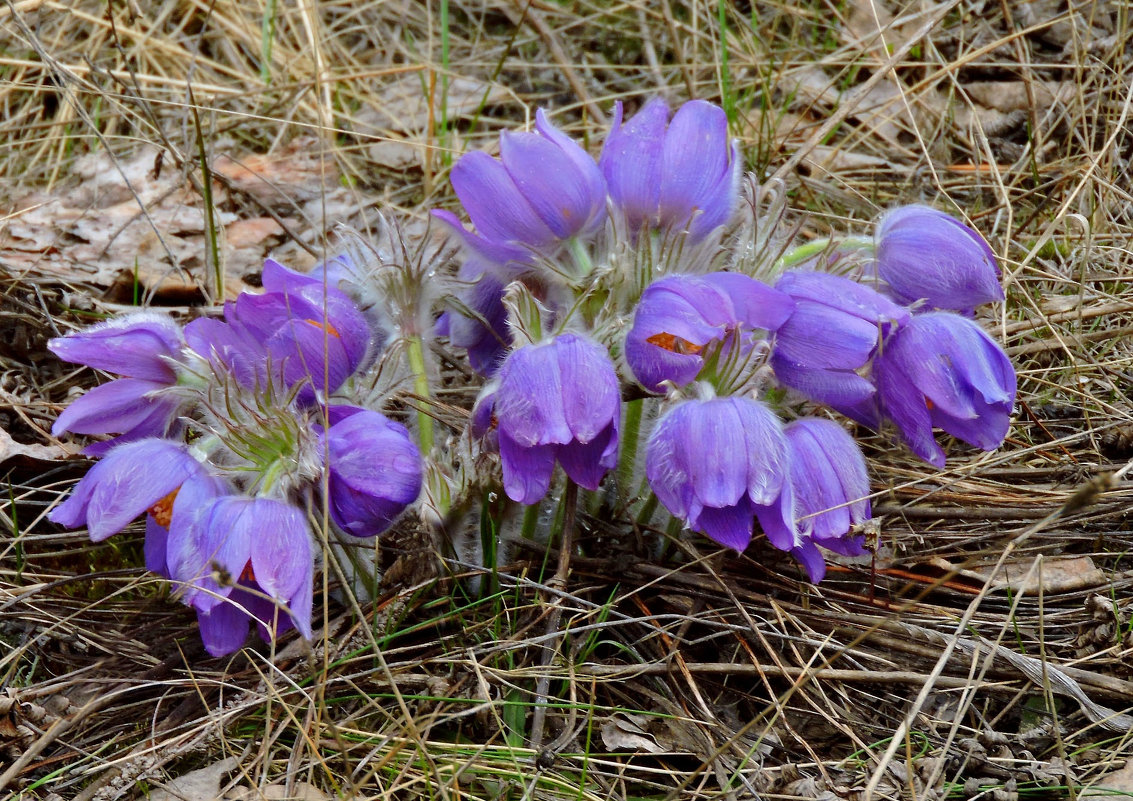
[326, 326]
[162, 511]
[675, 344]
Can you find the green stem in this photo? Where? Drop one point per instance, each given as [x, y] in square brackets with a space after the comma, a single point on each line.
[530, 521]
[627, 460]
[416, 352]
[582, 262]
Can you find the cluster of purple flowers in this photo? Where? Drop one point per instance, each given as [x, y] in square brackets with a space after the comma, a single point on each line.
[900, 349]
[586, 285]
[227, 431]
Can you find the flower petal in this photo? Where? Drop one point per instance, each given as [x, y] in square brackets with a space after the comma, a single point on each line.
[550, 181]
[138, 345]
[113, 408]
[132, 478]
[696, 169]
[224, 628]
[279, 545]
[496, 205]
[527, 469]
[631, 161]
[731, 526]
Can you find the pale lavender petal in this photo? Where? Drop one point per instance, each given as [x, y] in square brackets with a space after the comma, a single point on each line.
[631, 161]
[527, 469]
[279, 545]
[595, 183]
[113, 408]
[842, 390]
[496, 205]
[695, 159]
[137, 345]
[549, 181]
[529, 402]
[588, 463]
[905, 405]
[154, 547]
[375, 472]
[777, 520]
[509, 260]
[132, 478]
[925, 254]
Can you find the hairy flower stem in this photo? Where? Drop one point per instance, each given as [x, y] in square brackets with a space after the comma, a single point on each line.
[554, 635]
[416, 354]
[627, 460]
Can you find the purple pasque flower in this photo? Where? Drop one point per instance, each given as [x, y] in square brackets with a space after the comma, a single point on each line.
[310, 335]
[543, 190]
[483, 332]
[927, 255]
[719, 465]
[556, 400]
[259, 549]
[679, 315]
[144, 347]
[672, 174]
[942, 370]
[131, 479]
[829, 340]
[831, 486]
[375, 470]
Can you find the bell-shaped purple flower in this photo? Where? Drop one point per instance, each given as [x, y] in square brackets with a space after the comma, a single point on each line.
[129, 480]
[144, 347]
[310, 335]
[673, 174]
[831, 486]
[681, 314]
[485, 335]
[943, 370]
[927, 255]
[543, 190]
[246, 560]
[554, 400]
[835, 330]
[718, 465]
[375, 470]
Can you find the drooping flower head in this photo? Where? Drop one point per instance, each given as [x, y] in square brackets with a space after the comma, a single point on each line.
[144, 347]
[246, 560]
[375, 470]
[719, 465]
[679, 315]
[310, 335]
[829, 340]
[942, 370]
[556, 400]
[927, 255]
[672, 174]
[831, 486]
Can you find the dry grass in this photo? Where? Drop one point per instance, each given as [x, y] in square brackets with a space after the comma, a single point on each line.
[701, 676]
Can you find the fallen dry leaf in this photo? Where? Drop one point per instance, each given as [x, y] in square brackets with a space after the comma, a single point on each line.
[1116, 784]
[1057, 574]
[198, 785]
[10, 449]
[625, 732]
